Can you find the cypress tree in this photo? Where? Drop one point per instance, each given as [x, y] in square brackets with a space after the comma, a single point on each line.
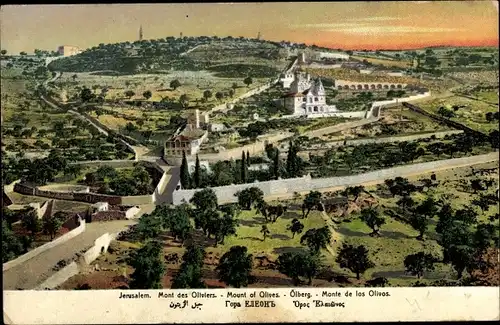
[290, 163]
[276, 164]
[244, 168]
[248, 158]
[184, 172]
[197, 175]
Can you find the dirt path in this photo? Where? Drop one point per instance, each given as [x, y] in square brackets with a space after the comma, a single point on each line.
[34, 271]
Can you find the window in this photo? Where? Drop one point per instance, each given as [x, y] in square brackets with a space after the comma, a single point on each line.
[310, 100]
[315, 108]
[315, 99]
[304, 99]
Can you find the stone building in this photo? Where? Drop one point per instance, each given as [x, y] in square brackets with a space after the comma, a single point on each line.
[307, 96]
[188, 140]
[68, 50]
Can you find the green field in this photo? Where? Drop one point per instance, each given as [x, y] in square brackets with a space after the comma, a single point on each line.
[471, 115]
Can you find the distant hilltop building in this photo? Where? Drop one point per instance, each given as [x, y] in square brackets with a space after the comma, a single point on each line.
[68, 50]
[307, 96]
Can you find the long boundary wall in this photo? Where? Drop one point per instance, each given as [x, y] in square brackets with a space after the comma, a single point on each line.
[226, 194]
[37, 251]
[101, 244]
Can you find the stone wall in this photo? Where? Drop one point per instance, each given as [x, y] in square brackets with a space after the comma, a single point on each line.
[446, 121]
[160, 187]
[361, 141]
[10, 187]
[71, 196]
[37, 251]
[226, 194]
[112, 163]
[101, 245]
[60, 276]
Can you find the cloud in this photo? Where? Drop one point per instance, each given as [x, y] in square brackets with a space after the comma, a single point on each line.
[375, 19]
[358, 28]
[366, 29]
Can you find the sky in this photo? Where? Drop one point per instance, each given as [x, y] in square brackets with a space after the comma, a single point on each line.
[345, 25]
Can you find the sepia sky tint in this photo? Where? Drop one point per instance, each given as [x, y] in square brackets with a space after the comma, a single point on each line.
[346, 25]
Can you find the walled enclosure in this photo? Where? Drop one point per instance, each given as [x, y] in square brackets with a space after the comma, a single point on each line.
[37, 251]
[226, 194]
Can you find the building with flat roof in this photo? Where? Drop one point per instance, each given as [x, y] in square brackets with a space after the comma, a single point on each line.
[68, 50]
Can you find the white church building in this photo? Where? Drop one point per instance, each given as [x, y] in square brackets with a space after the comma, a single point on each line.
[307, 97]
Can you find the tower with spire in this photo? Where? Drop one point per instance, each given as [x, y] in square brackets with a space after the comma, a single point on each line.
[140, 33]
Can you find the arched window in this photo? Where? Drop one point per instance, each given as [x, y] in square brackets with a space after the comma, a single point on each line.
[315, 108]
[315, 99]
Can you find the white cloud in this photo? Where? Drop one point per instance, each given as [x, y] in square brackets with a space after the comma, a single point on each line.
[366, 29]
[375, 19]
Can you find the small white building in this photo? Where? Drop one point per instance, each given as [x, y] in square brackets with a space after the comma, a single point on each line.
[334, 55]
[203, 165]
[286, 79]
[101, 206]
[217, 127]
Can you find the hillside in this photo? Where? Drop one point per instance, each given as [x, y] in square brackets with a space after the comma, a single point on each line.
[188, 54]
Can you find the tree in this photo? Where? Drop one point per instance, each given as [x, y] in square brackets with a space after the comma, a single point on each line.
[197, 173]
[276, 165]
[370, 216]
[264, 231]
[184, 172]
[86, 95]
[248, 81]
[249, 196]
[248, 159]
[461, 258]
[184, 101]
[355, 191]
[207, 94]
[30, 221]
[244, 168]
[148, 266]
[444, 112]
[219, 95]
[420, 223]
[417, 264]
[316, 239]
[3, 52]
[295, 227]
[231, 93]
[406, 202]
[311, 201]
[177, 221]
[11, 246]
[354, 258]
[297, 265]
[235, 267]
[129, 94]
[149, 226]
[234, 86]
[51, 225]
[147, 94]
[294, 166]
[204, 200]
[222, 227]
[190, 272]
[174, 84]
